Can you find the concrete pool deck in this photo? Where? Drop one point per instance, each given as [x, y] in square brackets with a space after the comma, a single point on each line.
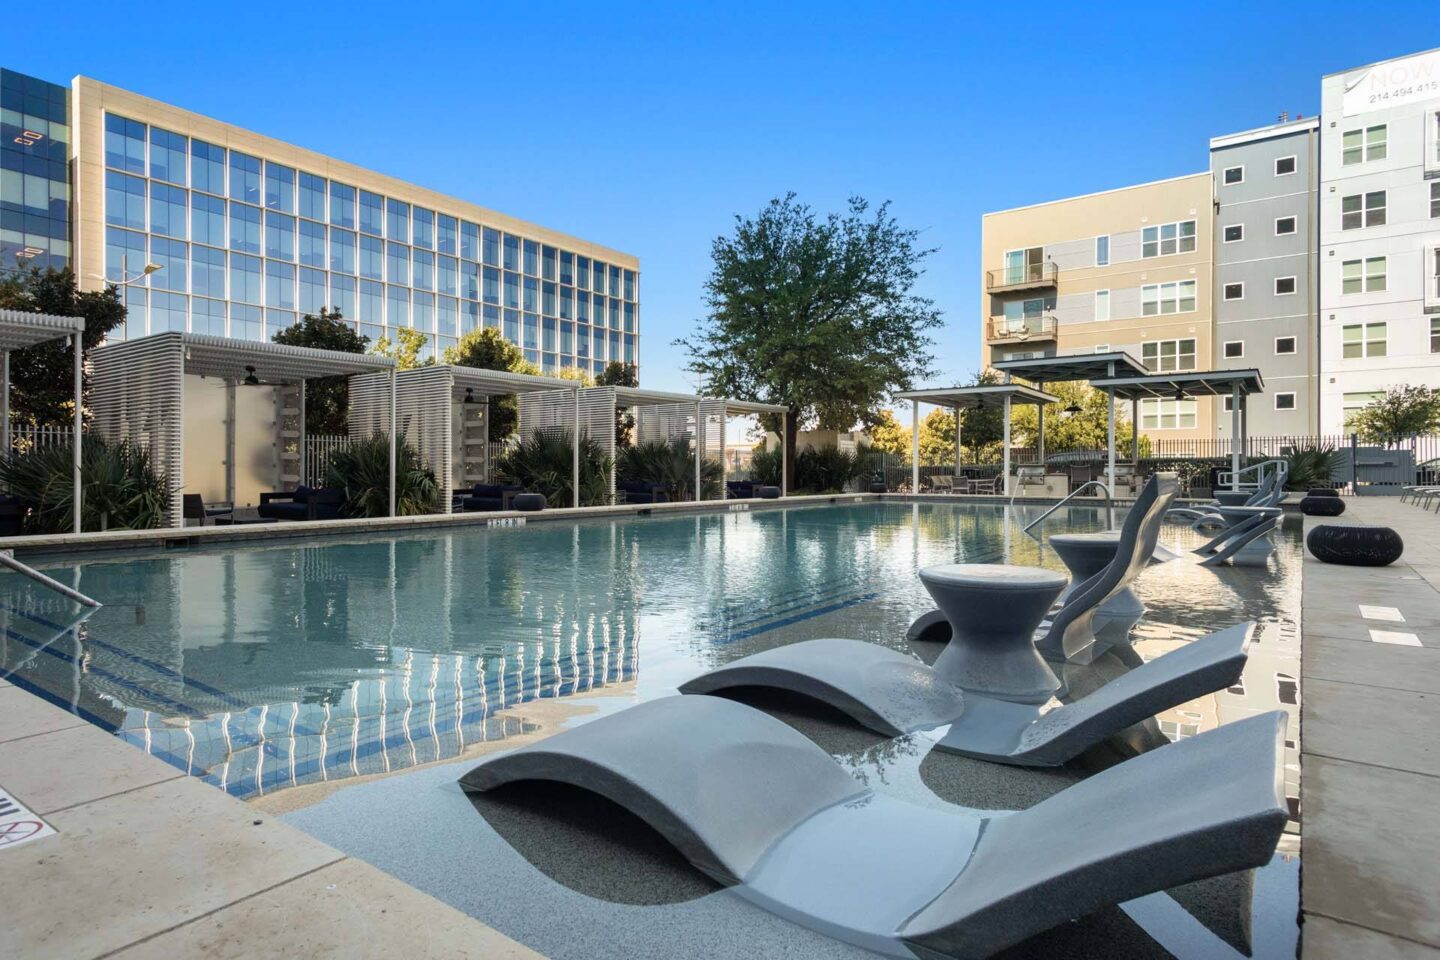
[1369, 712]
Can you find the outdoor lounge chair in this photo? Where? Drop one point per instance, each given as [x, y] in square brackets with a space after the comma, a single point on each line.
[192, 507]
[893, 694]
[739, 489]
[1070, 633]
[12, 516]
[1269, 493]
[755, 805]
[639, 491]
[488, 497]
[302, 503]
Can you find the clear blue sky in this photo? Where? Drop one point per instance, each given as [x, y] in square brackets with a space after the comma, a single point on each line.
[647, 129]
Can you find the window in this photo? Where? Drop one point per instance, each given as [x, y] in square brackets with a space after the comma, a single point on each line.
[469, 241]
[1169, 356]
[279, 188]
[1284, 166]
[1102, 348]
[124, 144]
[1435, 198]
[1234, 349]
[1102, 251]
[446, 228]
[1360, 340]
[1355, 401]
[1362, 210]
[342, 250]
[1102, 304]
[1234, 175]
[167, 156]
[207, 167]
[397, 263]
[279, 237]
[312, 244]
[1359, 146]
[244, 227]
[1284, 346]
[1163, 298]
[1435, 334]
[1167, 414]
[397, 221]
[124, 200]
[1284, 286]
[1234, 233]
[424, 228]
[1234, 291]
[372, 213]
[244, 178]
[168, 215]
[1284, 226]
[1168, 238]
[312, 196]
[342, 206]
[1362, 276]
[1227, 404]
[1285, 401]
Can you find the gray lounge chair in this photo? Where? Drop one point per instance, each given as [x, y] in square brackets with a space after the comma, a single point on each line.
[754, 805]
[1070, 633]
[892, 694]
[1269, 493]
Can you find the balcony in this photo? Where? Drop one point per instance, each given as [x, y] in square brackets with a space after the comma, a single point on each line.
[1432, 156]
[1029, 276]
[1021, 330]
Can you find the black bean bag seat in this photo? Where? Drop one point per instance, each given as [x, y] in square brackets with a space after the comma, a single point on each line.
[1355, 545]
[489, 496]
[528, 502]
[1316, 506]
[638, 491]
[767, 493]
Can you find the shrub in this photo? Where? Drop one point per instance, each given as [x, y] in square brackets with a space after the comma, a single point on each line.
[361, 472]
[1312, 466]
[671, 465]
[766, 466]
[544, 463]
[826, 469]
[121, 488]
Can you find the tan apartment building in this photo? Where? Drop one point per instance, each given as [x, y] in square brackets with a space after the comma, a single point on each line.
[1127, 269]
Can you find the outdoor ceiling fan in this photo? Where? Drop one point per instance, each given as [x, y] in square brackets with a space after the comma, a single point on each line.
[251, 380]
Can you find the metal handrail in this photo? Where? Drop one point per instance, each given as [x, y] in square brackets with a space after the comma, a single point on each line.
[1109, 503]
[7, 558]
[1235, 479]
[1046, 272]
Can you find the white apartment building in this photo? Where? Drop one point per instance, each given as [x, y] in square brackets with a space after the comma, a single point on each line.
[1379, 232]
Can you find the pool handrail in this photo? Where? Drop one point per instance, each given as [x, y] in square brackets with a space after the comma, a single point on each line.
[7, 558]
[1109, 502]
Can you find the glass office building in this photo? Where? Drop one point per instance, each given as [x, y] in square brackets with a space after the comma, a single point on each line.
[34, 173]
[252, 233]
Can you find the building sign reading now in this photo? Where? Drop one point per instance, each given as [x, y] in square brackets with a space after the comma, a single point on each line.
[1392, 84]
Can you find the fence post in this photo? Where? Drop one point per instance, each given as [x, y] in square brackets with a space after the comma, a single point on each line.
[1354, 465]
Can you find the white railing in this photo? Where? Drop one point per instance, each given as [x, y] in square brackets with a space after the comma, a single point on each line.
[25, 437]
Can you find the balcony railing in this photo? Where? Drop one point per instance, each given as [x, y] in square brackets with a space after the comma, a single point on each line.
[1022, 277]
[1003, 330]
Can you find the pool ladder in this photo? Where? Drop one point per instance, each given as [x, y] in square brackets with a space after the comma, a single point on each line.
[7, 558]
[1109, 503]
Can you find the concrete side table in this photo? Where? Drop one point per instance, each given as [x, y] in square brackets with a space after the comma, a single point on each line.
[1233, 498]
[993, 611]
[1086, 554]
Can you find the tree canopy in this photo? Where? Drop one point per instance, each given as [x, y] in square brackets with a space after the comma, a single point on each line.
[617, 374]
[1086, 429]
[41, 387]
[816, 313]
[1402, 412]
[888, 436]
[327, 399]
[405, 350]
[485, 349]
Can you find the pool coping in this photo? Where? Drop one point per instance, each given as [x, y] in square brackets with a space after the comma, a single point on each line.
[48, 545]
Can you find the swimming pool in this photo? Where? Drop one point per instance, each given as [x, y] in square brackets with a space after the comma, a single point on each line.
[322, 661]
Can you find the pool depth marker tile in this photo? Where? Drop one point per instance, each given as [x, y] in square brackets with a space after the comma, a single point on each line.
[19, 824]
[1399, 639]
[1392, 614]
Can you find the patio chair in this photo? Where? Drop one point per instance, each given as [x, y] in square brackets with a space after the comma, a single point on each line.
[192, 507]
[893, 694]
[302, 503]
[942, 483]
[753, 804]
[1080, 474]
[739, 489]
[489, 497]
[986, 485]
[12, 516]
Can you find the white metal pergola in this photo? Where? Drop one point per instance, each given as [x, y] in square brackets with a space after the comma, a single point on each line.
[1000, 396]
[1238, 385]
[445, 411]
[19, 330]
[138, 393]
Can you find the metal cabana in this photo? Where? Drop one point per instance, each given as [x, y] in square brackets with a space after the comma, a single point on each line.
[659, 415]
[1235, 384]
[1000, 396]
[445, 412]
[218, 414]
[19, 330]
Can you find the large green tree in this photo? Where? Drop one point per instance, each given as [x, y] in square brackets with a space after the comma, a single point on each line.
[486, 349]
[42, 387]
[816, 313]
[327, 399]
[1402, 412]
[617, 374]
[1085, 427]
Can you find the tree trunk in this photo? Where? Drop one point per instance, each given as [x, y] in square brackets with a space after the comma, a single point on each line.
[792, 435]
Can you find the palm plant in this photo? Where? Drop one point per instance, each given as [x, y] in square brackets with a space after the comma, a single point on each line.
[766, 465]
[827, 469]
[544, 463]
[121, 490]
[1312, 466]
[670, 464]
[361, 472]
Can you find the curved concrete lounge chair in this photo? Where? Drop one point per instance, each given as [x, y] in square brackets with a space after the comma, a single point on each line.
[752, 803]
[892, 694]
[1269, 493]
[1070, 633]
[1242, 539]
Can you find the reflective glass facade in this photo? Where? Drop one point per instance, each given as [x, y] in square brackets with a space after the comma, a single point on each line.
[247, 245]
[34, 173]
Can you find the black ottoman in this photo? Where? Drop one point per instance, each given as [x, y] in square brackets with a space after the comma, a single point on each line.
[1355, 546]
[528, 502]
[1313, 506]
[767, 493]
[1322, 492]
[878, 488]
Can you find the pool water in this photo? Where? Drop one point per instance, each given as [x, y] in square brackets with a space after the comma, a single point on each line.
[260, 668]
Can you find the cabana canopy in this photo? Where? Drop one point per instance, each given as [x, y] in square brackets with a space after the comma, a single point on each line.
[1081, 366]
[139, 392]
[640, 397]
[18, 330]
[996, 396]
